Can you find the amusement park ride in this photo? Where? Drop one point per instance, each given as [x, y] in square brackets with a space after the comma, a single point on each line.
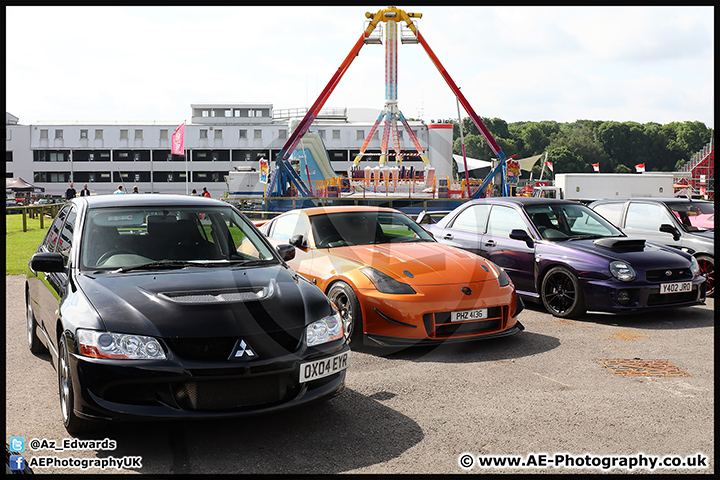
[285, 176]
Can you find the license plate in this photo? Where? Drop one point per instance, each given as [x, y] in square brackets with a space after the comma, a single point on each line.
[322, 368]
[466, 315]
[679, 287]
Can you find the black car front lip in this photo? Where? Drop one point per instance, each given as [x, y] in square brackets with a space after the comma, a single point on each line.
[94, 380]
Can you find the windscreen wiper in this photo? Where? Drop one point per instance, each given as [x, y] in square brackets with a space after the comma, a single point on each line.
[158, 265]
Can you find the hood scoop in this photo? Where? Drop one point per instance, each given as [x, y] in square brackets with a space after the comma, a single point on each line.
[234, 295]
[625, 244]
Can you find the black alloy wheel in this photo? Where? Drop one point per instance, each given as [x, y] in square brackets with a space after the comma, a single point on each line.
[561, 293]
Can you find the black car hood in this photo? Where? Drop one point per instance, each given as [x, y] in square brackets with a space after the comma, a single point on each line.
[204, 302]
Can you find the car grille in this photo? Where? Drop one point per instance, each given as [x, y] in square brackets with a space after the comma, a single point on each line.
[438, 325]
[655, 299]
[265, 345]
[236, 394]
[660, 275]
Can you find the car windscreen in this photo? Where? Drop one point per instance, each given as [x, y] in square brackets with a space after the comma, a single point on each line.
[365, 228]
[155, 236]
[567, 221]
[694, 215]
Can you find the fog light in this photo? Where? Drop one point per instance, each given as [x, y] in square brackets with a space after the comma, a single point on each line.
[623, 297]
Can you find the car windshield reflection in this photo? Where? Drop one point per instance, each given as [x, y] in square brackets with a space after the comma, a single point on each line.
[365, 228]
[135, 239]
[569, 222]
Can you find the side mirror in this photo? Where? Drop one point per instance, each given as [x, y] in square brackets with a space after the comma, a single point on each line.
[667, 228]
[47, 262]
[521, 235]
[298, 241]
[287, 252]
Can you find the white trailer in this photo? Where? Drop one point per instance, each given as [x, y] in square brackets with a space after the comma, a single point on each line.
[594, 186]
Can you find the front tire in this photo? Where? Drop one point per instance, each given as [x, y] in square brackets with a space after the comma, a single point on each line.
[561, 293]
[345, 299]
[707, 268]
[73, 423]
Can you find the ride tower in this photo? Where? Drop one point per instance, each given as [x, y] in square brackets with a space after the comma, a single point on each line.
[391, 112]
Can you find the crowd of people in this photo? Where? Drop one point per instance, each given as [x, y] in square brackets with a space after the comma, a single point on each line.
[72, 193]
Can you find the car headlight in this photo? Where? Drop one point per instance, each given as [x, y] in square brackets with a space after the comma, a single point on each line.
[503, 278]
[694, 267]
[118, 345]
[324, 330]
[386, 284]
[622, 271]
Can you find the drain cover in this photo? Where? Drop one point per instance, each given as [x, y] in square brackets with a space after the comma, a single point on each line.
[643, 368]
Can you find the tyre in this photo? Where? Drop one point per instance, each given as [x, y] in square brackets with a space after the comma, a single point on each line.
[707, 268]
[561, 293]
[73, 423]
[34, 342]
[345, 299]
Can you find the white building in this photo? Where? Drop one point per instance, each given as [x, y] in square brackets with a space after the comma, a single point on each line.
[218, 138]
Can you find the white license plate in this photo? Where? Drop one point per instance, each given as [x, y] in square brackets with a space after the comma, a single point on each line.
[679, 287]
[322, 368]
[467, 315]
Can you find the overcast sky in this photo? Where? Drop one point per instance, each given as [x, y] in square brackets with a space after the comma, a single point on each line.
[87, 64]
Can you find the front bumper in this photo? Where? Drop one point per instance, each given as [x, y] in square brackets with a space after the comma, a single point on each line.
[617, 297]
[178, 388]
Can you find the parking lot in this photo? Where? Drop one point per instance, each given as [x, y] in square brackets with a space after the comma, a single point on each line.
[543, 391]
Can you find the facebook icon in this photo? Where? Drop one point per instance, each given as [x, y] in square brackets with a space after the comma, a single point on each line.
[17, 462]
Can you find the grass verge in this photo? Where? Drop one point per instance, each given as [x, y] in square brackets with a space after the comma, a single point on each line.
[19, 245]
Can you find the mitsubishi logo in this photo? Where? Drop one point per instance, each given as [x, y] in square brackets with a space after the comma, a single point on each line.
[243, 350]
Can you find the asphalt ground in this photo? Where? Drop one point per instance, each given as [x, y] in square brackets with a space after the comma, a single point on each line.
[540, 396]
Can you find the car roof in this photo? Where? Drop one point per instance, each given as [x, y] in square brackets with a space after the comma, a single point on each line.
[651, 199]
[310, 211]
[144, 199]
[522, 201]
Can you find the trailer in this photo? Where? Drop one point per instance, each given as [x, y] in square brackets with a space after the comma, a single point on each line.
[587, 187]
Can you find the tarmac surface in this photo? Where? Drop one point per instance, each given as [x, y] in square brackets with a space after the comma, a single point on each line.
[541, 396]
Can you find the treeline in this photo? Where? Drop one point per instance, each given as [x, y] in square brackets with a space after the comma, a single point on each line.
[573, 147]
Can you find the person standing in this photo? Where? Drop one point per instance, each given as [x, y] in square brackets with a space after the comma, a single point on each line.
[135, 189]
[119, 189]
[85, 192]
[194, 193]
[205, 193]
[70, 193]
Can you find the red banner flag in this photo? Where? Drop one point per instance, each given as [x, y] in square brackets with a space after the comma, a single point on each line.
[549, 165]
[596, 166]
[640, 167]
[178, 140]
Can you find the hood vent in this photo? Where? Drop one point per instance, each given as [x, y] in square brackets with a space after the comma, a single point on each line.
[234, 295]
[628, 244]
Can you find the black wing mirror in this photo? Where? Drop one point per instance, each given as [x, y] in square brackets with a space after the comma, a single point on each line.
[287, 252]
[298, 241]
[667, 228]
[521, 235]
[47, 262]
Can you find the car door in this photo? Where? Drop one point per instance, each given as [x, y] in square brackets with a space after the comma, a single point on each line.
[643, 220]
[286, 227]
[466, 229]
[515, 256]
[52, 285]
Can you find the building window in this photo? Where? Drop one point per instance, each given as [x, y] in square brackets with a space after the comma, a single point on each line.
[321, 133]
[336, 134]
[98, 134]
[205, 114]
[236, 113]
[8, 156]
[163, 134]
[138, 134]
[243, 134]
[203, 134]
[43, 134]
[359, 134]
[123, 134]
[282, 134]
[52, 177]
[257, 134]
[218, 134]
[83, 134]
[58, 134]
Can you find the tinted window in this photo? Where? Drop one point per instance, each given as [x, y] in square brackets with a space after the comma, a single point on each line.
[285, 227]
[65, 240]
[472, 219]
[53, 233]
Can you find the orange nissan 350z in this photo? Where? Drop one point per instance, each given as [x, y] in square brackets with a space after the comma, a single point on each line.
[392, 282]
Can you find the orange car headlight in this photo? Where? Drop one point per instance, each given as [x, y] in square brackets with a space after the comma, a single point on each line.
[386, 284]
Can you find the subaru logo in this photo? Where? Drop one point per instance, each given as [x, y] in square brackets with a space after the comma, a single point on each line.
[243, 350]
[668, 273]
[466, 290]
